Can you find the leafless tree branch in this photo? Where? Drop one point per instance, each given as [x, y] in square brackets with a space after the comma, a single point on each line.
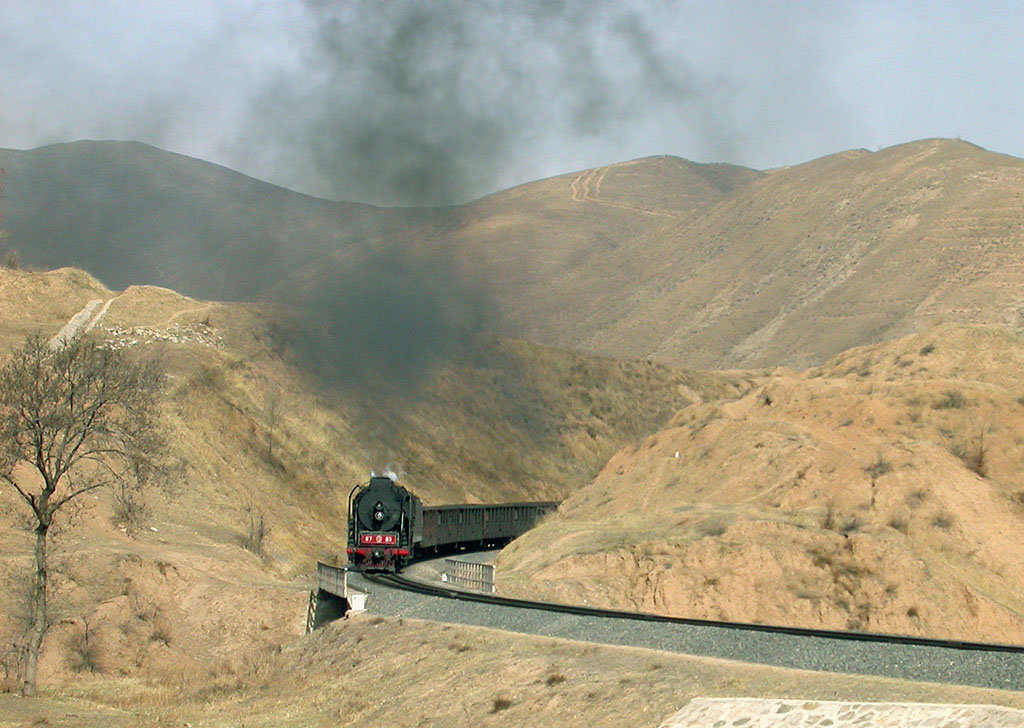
[84, 418]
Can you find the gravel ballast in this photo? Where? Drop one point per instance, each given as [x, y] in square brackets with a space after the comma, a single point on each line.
[1000, 670]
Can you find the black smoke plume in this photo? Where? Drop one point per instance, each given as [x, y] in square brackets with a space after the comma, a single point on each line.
[430, 104]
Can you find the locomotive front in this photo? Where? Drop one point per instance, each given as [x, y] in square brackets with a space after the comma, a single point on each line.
[382, 517]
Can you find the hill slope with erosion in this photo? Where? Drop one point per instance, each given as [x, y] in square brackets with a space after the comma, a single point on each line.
[790, 267]
[702, 265]
[882, 491]
[253, 437]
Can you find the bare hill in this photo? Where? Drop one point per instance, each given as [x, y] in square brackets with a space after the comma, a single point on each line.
[697, 264]
[785, 268]
[881, 492]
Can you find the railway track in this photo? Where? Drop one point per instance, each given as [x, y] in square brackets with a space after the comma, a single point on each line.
[419, 587]
[899, 656]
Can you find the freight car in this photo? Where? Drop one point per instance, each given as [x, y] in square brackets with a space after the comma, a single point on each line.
[388, 526]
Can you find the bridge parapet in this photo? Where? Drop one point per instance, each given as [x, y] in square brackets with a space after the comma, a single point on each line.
[332, 598]
[332, 579]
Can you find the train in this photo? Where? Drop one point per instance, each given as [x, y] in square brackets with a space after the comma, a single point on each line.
[388, 526]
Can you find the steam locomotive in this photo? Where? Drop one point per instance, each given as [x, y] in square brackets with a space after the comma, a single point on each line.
[388, 526]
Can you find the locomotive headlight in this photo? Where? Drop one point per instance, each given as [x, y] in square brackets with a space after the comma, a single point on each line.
[379, 515]
[378, 511]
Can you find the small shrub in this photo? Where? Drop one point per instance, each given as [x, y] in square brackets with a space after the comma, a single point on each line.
[11, 259]
[713, 527]
[916, 497]
[555, 678]
[951, 399]
[973, 455]
[161, 633]
[880, 467]
[912, 612]
[926, 349]
[849, 524]
[83, 652]
[899, 523]
[500, 704]
[129, 510]
[943, 520]
[829, 521]
[256, 535]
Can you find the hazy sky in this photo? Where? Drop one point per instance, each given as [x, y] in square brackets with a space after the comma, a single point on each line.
[420, 102]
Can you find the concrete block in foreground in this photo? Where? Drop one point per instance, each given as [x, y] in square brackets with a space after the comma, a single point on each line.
[760, 713]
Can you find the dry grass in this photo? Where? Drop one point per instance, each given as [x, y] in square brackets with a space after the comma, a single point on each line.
[799, 499]
[516, 680]
[239, 522]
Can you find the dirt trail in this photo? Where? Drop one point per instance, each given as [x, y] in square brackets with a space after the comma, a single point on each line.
[81, 323]
[586, 187]
[73, 328]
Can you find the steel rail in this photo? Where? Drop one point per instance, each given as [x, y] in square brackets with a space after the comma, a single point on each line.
[400, 582]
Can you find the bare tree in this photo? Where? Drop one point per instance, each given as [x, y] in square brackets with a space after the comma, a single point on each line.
[272, 413]
[11, 258]
[73, 418]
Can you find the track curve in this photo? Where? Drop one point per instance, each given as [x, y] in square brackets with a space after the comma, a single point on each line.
[960, 662]
[420, 587]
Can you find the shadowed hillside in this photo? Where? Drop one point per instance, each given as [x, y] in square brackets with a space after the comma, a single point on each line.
[131, 214]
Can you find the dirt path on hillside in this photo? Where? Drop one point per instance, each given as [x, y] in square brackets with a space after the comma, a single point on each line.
[81, 323]
[586, 187]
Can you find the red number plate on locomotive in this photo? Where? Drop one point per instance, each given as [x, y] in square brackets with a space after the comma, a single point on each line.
[378, 539]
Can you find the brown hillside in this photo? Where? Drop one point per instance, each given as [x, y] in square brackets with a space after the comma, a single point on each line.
[719, 266]
[882, 491]
[787, 268]
[251, 436]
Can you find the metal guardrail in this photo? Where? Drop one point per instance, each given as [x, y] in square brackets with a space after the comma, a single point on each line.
[469, 574]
